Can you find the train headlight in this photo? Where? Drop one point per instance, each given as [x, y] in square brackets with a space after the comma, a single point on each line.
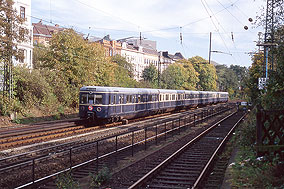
[90, 108]
[99, 109]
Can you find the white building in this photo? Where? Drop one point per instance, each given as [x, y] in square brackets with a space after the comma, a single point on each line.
[133, 55]
[141, 53]
[23, 8]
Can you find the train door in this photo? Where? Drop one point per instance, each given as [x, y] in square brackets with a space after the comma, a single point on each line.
[120, 102]
[115, 103]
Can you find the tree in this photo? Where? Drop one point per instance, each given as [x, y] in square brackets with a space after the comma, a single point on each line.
[39, 52]
[192, 78]
[150, 75]
[175, 77]
[207, 73]
[255, 72]
[122, 62]
[273, 98]
[11, 34]
[77, 63]
[227, 80]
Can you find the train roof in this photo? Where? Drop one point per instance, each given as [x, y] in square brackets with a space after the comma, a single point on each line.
[119, 89]
[142, 90]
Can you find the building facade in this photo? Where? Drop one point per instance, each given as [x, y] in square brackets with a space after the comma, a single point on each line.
[42, 33]
[23, 8]
[139, 52]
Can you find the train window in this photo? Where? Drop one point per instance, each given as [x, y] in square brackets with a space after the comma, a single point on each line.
[144, 98]
[134, 99]
[83, 98]
[114, 99]
[99, 99]
[167, 97]
[149, 98]
[109, 99]
[128, 99]
[139, 99]
[121, 99]
[160, 97]
[91, 98]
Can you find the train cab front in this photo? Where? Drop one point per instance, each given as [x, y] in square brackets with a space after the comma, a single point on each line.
[90, 106]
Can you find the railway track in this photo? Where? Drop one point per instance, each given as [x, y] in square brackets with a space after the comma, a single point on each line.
[189, 165]
[61, 153]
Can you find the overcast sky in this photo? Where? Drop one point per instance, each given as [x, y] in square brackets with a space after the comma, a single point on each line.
[163, 21]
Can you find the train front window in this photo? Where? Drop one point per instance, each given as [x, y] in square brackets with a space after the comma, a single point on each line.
[91, 98]
[83, 99]
[99, 99]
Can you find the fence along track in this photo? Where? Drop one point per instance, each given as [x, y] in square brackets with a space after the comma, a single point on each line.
[187, 167]
[96, 156]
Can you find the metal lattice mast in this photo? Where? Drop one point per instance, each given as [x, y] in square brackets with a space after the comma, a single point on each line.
[268, 38]
[8, 68]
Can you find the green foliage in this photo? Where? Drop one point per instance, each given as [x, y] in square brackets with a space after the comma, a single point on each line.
[102, 177]
[175, 77]
[8, 106]
[122, 62]
[192, 78]
[248, 170]
[65, 181]
[150, 75]
[255, 71]
[39, 52]
[79, 62]
[226, 78]
[207, 74]
[123, 72]
[32, 89]
[273, 98]
[232, 80]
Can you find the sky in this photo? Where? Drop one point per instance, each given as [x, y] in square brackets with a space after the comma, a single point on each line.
[164, 21]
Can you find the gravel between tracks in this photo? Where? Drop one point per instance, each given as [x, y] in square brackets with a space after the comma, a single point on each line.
[131, 169]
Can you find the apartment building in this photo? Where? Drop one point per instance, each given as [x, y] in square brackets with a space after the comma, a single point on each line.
[23, 8]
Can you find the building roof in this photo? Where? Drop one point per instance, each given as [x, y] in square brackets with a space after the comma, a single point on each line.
[150, 51]
[178, 55]
[45, 30]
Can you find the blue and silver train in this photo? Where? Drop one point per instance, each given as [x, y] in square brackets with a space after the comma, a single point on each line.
[111, 104]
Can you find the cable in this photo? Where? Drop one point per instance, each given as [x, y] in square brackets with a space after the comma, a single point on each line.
[230, 13]
[217, 28]
[113, 16]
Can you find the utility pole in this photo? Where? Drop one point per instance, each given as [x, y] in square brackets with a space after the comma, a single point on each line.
[268, 44]
[159, 70]
[210, 38]
[8, 67]
[268, 38]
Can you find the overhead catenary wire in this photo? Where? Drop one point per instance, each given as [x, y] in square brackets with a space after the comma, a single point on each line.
[161, 29]
[218, 30]
[104, 12]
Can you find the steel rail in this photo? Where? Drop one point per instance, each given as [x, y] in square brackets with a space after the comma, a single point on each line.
[149, 175]
[113, 152]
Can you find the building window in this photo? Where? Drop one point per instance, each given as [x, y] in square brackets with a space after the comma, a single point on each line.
[21, 55]
[22, 12]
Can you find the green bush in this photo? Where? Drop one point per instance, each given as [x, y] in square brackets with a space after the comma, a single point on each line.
[250, 171]
[103, 176]
[65, 181]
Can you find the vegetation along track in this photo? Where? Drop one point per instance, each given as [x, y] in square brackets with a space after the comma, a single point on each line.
[188, 166]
